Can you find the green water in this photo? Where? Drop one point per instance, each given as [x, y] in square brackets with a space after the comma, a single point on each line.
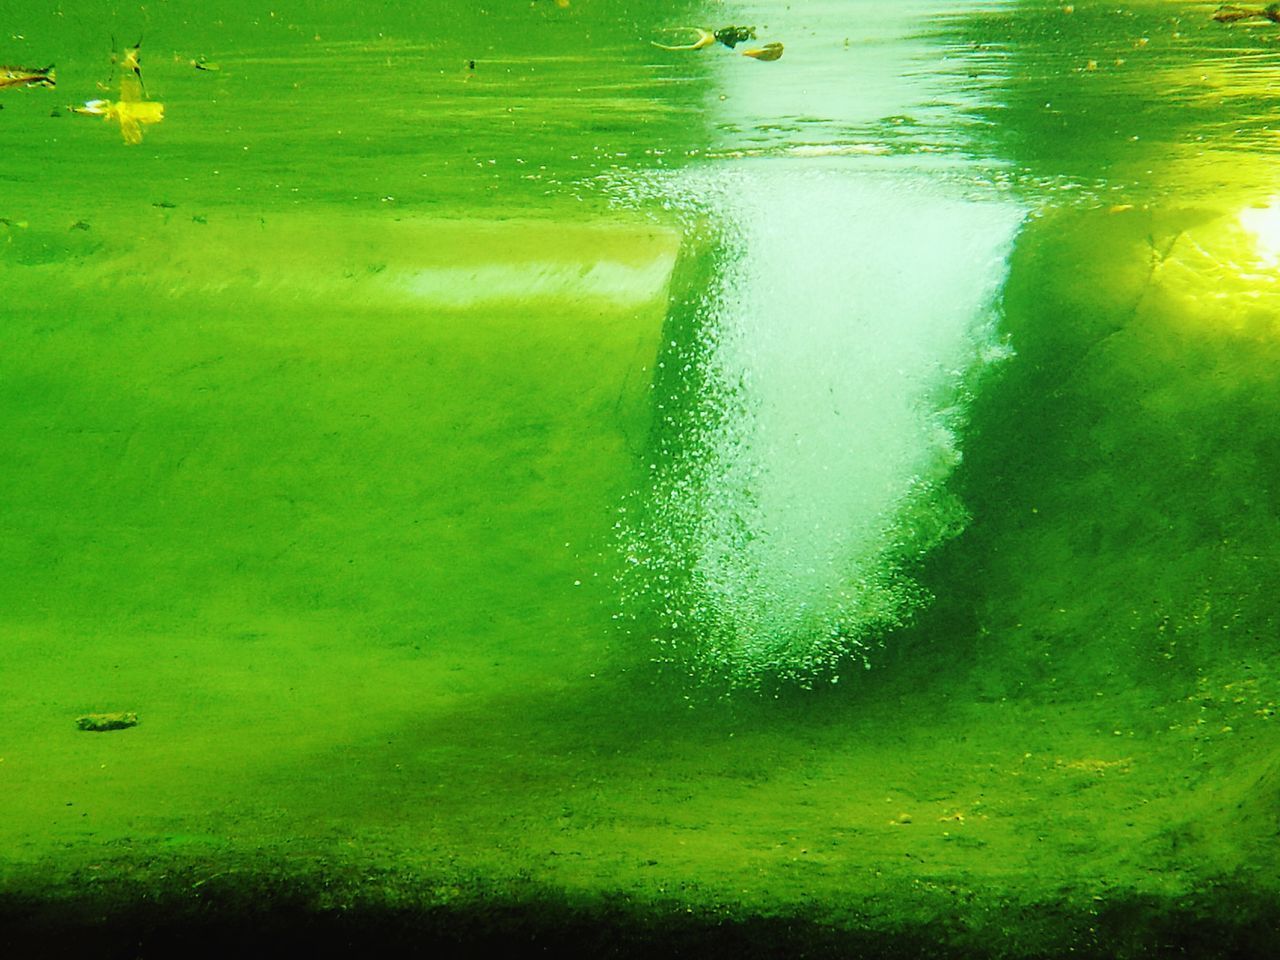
[339, 410]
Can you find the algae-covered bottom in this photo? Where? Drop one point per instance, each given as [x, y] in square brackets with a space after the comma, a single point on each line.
[586, 828]
[339, 533]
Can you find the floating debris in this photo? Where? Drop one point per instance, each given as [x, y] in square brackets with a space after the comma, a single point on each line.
[132, 111]
[770, 51]
[1229, 13]
[732, 36]
[28, 77]
[102, 722]
[130, 61]
[200, 63]
[130, 114]
[728, 36]
[705, 38]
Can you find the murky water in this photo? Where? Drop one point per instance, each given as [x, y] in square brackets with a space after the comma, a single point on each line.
[486, 451]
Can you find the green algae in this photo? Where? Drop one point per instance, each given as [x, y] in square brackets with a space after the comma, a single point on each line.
[317, 537]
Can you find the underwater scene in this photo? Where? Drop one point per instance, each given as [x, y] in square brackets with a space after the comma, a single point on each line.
[640, 478]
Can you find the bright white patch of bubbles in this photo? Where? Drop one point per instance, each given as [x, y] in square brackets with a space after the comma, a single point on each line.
[808, 411]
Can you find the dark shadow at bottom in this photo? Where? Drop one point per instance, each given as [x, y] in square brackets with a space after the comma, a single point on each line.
[266, 916]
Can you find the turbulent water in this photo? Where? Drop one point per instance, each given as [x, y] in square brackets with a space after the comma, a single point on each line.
[850, 302]
[847, 315]
[862, 201]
